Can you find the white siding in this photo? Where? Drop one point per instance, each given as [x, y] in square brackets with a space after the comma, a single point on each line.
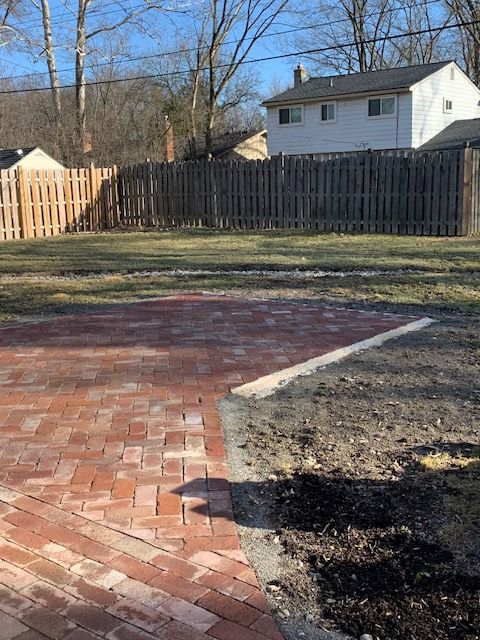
[353, 130]
[428, 95]
[255, 148]
[38, 159]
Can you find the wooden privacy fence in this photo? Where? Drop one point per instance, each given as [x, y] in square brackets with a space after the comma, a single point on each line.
[434, 193]
[44, 203]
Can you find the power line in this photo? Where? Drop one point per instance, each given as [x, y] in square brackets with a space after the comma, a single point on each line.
[255, 60]
[94, 11]
[188, 50]
[25, 75]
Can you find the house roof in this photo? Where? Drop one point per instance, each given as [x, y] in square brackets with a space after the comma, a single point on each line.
[228, 141]
[9, 157]
[357, 83]
[455, 136]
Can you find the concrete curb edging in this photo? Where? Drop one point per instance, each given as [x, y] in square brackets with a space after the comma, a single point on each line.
[267, 385]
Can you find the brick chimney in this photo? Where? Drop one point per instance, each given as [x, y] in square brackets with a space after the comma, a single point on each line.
[169, 141]
[299, 75]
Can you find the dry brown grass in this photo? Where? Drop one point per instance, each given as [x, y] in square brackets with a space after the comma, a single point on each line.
[460, 473]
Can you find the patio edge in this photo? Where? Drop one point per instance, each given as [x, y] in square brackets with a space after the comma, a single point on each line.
[267, 385]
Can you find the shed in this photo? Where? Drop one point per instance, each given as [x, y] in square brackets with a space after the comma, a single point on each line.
[27, 158]
[239, 145]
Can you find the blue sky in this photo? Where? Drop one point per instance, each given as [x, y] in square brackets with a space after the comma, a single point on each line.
[161, 26]
[14, 63]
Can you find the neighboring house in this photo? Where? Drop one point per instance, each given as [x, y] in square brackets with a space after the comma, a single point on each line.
[27, 158]
[241, 145]
[399, 108]
[457, 135]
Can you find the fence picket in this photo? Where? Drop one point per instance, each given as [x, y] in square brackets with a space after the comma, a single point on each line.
[436, 193]
[447, 227]
[458, 180]
[7, 181]
[343, 195]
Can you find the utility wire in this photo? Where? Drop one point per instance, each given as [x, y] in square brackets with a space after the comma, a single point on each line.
[230, 42]
[20, 66]
[254, 60]
[59, 19]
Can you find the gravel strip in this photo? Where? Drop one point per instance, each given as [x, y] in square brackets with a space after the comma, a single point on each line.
[295, 273]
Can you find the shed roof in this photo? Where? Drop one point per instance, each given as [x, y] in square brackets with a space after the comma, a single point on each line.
[226, 142]
[229, 141]
[9, 157]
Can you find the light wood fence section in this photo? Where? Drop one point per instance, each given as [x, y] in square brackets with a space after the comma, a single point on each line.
[10, 228]
[433, 194]
[43, 203]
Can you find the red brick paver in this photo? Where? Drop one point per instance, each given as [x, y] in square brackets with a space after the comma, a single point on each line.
[115, 512]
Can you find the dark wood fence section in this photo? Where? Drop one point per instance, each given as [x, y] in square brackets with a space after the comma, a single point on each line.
[472, 193]
[434, 194]
[401, 193]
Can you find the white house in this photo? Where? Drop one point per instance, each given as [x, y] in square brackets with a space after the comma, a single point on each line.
[399, 108]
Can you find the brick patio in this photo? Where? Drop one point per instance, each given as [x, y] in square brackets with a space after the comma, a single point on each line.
[115, 512]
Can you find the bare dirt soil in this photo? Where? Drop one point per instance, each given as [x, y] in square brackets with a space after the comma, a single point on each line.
[369, 474]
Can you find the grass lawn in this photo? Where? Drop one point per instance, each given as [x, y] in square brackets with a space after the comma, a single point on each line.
[213, 249]
[446, 270]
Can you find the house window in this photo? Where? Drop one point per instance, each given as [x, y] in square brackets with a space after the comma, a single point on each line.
[447, 106]
[381, 106]
[290, 115]
[328, 112]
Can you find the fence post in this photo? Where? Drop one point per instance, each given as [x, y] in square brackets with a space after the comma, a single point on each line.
[114, 219]
[67, 186]
[24, 209]
[467, 158]
[95, 207]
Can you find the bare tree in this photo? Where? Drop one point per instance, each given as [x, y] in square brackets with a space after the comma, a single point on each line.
[193, 90]
[241, 21]
[200, 58]
[125, 120]
[415, 47]
[83, 38]
[8, 11]
[210, 78]
[348, 31]
[367, 22]
[49, 50]
[468, 13]
[356, 34]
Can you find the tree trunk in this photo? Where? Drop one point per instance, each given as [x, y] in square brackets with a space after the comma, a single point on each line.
[212, 111]
[80, 75]
[193, 118]
[212, 93]
[468, 11]
[51, 63]
[209, 135]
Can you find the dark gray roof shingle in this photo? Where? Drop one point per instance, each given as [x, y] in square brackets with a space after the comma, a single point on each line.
[354, 83]
[455, 135]
[9, 157]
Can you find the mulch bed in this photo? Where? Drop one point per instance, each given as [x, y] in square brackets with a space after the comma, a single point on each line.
[373, 541]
